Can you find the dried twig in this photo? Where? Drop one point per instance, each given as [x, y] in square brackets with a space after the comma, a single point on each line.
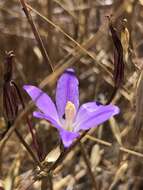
[37, 36]
[28, 148]
[123, 149]
[87, 162]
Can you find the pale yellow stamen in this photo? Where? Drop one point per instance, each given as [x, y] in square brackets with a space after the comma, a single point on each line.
[70, 112]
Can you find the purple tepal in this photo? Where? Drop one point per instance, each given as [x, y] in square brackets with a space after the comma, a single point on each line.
[66, 115]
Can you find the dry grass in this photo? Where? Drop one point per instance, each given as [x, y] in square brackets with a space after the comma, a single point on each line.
[48, 37]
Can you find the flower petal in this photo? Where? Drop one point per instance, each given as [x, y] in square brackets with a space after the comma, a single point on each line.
[67, 90]
[67, 137]
[42, 101]
[92, 114]
[87, 107]
[40, 115]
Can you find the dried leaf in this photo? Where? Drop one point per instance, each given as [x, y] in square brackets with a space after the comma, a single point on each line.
[25, 180]
[53, 155]
[141, 2]
[13, 172]
[125, 35]
[96, 155]
[3, 127]
[38, 54]
[115, 130]
[138, 121]
[1, 185]
[119, 174]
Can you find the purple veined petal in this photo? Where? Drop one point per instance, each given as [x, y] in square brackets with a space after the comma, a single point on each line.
[87, 107]
[68, 137]
[55, 123]
[42, 101]
[67, 90]
[93, 115]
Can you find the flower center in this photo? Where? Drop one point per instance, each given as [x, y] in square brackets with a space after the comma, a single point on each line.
[70, 113]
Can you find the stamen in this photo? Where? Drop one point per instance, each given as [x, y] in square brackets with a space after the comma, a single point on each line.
[70, 112]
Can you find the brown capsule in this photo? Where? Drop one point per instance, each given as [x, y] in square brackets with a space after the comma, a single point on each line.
[12, 98]
[10, 103]
[8, 66]
[118, 57]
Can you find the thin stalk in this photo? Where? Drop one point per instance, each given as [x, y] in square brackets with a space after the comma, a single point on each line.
[64, 153]
[34, 136]
[28, 149]
[115, 90]
[47, 182]
[50, 177]
[50, 31]
[37, 36]
[123, 149]
[86, 160]
[61, 158]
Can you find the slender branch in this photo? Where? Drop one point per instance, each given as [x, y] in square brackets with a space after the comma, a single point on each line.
[123, 149]
[47, 182]
[50, 31]
[28, 149]
[50, 177]
[85, 157]
[34, 135]
[115, 90]
[64, 153]
[37, 36]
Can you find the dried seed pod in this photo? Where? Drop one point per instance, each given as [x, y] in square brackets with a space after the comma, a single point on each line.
[118, 61]
[12, 98]
[118, 57]
[8, 66]
[10, 103]
[10, 95]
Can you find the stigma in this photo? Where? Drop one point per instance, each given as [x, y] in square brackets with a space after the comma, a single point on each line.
[70, 112]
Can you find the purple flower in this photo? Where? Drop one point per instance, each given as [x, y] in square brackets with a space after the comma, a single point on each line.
[66, 115]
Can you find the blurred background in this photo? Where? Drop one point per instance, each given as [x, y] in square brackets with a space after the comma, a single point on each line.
[75, 33]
